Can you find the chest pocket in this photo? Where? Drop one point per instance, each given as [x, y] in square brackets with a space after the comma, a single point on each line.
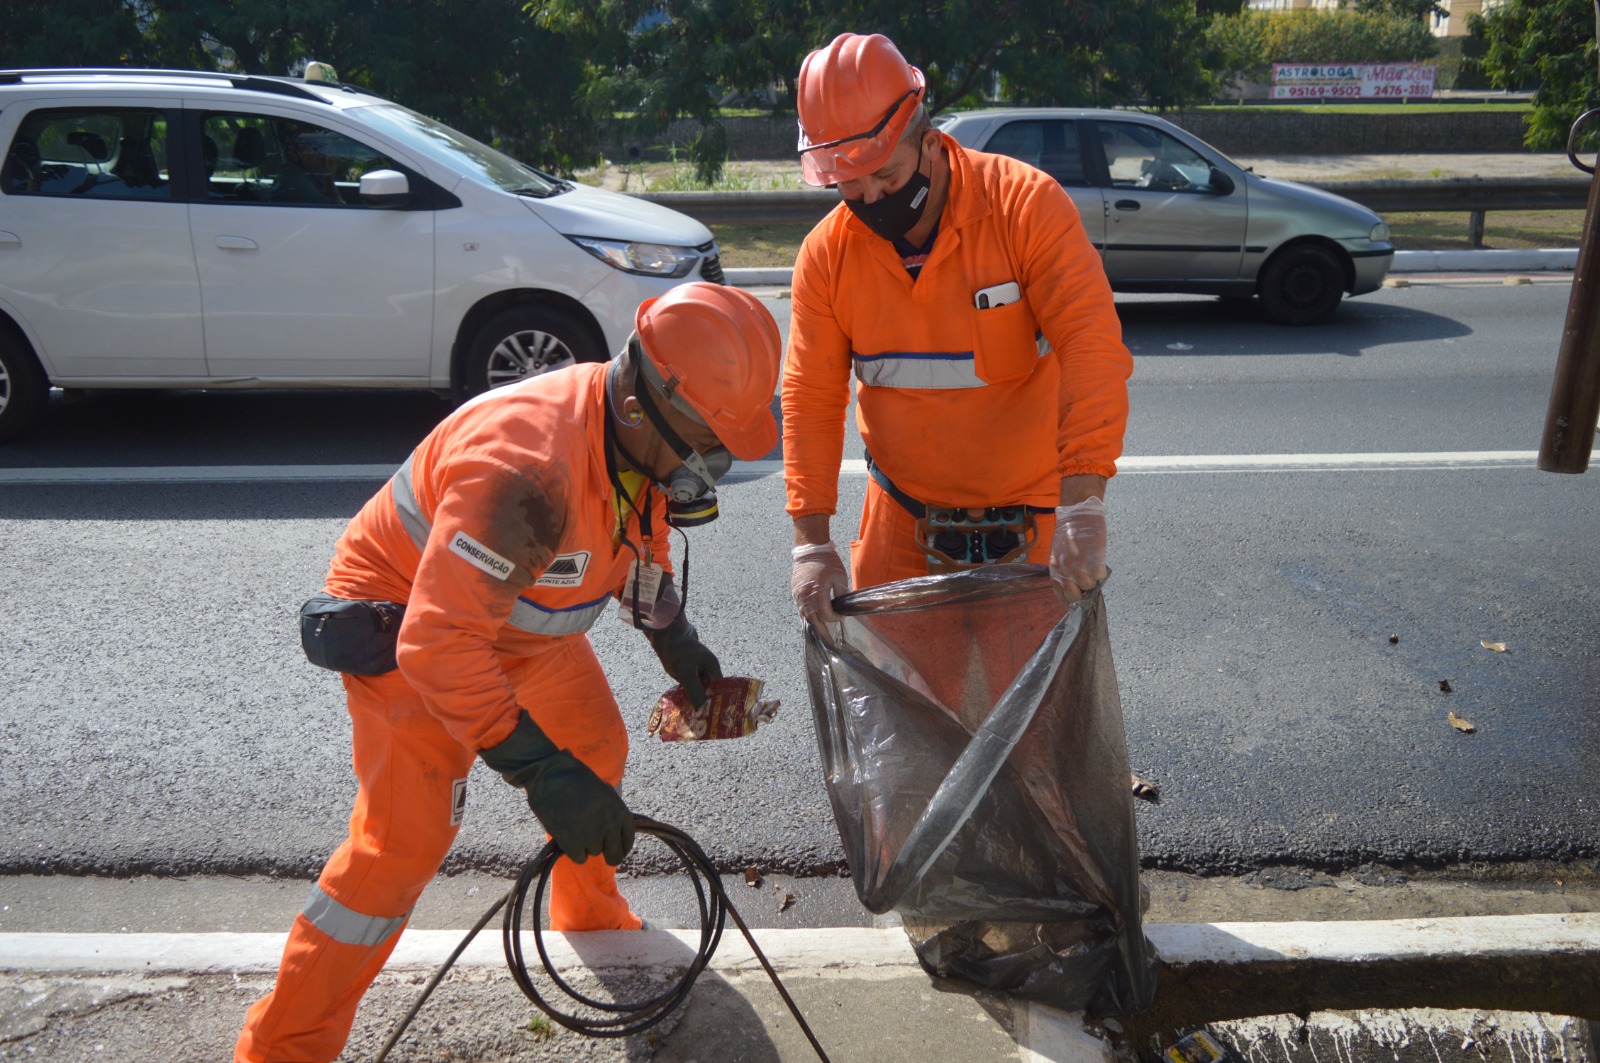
[1006, 342]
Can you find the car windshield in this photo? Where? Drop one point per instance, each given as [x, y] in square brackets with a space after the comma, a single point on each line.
[460, 152]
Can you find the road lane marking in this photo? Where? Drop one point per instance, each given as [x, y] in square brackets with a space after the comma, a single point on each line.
[753, 470]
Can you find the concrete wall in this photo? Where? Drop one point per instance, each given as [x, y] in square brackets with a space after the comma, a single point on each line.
[1249, 132]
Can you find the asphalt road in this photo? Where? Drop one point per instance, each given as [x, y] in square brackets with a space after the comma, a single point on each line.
[158, 715]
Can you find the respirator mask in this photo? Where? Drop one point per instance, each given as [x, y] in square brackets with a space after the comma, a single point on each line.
[691, 486]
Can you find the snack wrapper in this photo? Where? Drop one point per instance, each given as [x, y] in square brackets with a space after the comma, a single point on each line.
[734, 708]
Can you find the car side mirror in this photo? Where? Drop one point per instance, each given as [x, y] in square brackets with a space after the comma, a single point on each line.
[386, 189]
[1221, 183]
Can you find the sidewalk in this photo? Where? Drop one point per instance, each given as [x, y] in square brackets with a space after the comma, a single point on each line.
[75, 997]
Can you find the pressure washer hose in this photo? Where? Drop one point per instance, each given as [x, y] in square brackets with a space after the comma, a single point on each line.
[632, 1017]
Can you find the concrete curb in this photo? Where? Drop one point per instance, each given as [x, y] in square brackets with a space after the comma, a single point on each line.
[1554, 259]
[1211, 972]
[1330, 955]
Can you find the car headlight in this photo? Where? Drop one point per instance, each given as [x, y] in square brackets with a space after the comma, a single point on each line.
[652, 260]
[1379, 233]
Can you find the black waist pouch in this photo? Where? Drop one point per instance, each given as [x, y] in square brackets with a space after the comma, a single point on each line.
[356, 637]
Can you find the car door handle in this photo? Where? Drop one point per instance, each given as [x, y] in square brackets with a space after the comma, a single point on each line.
[10, 239]
[237, 243]
[1127, 204]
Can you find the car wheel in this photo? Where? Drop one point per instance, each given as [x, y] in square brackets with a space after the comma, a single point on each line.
[23, 388]
[523, 342]
[1302, 286]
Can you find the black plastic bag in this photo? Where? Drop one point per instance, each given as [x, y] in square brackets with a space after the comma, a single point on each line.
[973, 748]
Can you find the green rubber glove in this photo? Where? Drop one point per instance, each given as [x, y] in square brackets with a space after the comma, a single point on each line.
[685, 658]
[582, 813]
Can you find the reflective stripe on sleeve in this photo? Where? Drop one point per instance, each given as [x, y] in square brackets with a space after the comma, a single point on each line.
[345, 925]
[526, 615]
[906, 369]
[539, 619]
[405, 505]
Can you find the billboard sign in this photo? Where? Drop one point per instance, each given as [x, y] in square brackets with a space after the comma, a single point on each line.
[1352, 81]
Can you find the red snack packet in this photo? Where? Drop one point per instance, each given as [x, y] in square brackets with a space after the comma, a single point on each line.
[733, 709]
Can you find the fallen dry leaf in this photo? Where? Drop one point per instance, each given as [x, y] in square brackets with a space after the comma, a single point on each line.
[1444, 686]
[1461, 725]
[752, 876]
[785, 900]
[1498, 647]
[1144, 789]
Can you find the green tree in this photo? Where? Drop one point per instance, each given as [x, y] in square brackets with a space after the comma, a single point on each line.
[70, 33]
[1246, 45]
[649, 62]
[656, 60]
[482, 66]
[1549, 44]
[1420, 10]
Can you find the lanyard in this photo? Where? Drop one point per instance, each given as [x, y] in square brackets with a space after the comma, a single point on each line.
[646, 532]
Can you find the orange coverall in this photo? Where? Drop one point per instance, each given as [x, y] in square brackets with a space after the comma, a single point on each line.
[958, 406]
[501, 536]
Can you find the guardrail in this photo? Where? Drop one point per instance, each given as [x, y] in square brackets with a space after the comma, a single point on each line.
[1470, 195]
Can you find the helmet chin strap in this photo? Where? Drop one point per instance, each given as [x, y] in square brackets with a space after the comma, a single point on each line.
[681, 488]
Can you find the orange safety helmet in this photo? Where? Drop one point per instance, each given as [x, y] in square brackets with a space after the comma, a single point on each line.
[717, 351]
[856, 100]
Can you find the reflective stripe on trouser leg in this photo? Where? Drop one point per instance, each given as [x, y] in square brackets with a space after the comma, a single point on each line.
[887, 548]
[407, 766]
[566, 693]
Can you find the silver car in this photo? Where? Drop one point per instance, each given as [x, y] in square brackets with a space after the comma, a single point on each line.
[1170, 213]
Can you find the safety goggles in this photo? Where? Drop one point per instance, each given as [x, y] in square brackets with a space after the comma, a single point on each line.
[857, 155]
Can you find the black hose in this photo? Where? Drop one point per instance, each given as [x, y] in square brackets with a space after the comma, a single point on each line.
[631, 1017]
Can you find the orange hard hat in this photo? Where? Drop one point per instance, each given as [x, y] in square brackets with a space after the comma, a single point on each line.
[716, 351]
[856, 100]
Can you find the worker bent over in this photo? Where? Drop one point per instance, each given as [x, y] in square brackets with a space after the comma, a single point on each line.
[456, 605]
[992, 377]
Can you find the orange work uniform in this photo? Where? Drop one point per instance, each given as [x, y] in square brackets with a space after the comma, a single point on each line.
[958, 405]
[502, 537]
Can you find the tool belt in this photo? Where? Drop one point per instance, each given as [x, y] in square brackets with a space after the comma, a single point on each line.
[958, 537]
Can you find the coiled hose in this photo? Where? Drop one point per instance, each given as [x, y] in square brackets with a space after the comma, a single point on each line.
[627, 1018]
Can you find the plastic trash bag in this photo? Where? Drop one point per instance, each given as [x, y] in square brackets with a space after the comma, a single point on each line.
[973, 749]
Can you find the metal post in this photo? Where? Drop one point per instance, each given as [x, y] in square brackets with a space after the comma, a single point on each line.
[1475, 229]
[1569, 423]
[1575, 396]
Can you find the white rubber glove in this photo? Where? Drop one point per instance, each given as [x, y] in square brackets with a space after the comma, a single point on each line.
[818, 577]
[1078, 548]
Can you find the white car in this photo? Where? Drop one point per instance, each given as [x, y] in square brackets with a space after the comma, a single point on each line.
[187, 229]
[1170, 213]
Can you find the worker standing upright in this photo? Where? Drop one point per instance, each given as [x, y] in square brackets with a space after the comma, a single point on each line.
[962, 290]
[456, 607]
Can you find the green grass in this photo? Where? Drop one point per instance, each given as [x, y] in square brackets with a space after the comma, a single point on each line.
[764, 246]
[1502, 229]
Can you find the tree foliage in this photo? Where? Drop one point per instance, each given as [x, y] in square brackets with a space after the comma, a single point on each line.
[36, 33]
[544, 78]
[1549, 44]
[1247, 44]
[1420, 10]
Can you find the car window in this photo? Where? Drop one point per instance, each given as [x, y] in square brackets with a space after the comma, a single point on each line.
[97, 153]
[1138, 156]
[461, 153]
[1052, 146]
[258, 158]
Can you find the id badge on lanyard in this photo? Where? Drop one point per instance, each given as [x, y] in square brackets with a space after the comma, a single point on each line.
[648, 599]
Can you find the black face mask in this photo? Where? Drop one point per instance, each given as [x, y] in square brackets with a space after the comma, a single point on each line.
[898, 212]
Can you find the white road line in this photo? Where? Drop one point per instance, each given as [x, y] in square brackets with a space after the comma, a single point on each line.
[750, 470]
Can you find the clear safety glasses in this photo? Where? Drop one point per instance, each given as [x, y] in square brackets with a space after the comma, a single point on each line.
[856, 156]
